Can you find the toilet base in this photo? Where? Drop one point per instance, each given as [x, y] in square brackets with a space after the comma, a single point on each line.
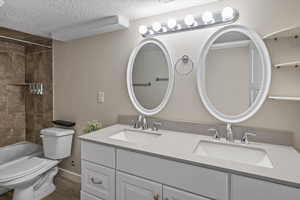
[38, 190]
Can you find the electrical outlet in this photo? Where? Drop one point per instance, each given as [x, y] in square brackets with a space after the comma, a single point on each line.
[100, 97]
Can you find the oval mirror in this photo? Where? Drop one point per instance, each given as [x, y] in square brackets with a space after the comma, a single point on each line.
[150, 77]
[235, 73]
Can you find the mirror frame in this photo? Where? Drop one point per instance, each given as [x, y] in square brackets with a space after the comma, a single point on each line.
[169, 90]
[266, 81]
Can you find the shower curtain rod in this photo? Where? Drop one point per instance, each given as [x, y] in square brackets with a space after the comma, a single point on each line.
[24, 41]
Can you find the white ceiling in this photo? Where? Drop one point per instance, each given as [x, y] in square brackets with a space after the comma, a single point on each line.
[42, 17]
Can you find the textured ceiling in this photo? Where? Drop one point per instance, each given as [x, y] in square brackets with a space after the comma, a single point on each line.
[42, 17]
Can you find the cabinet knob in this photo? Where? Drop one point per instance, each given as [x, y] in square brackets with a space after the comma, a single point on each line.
[96, 182]
[156, 197]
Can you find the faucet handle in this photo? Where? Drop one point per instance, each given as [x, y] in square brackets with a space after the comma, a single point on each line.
[215, 133]
[244, 139]
[138, 122]
[156, 125]
[144, 123]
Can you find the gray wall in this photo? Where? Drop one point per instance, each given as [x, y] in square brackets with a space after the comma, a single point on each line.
[85, 66]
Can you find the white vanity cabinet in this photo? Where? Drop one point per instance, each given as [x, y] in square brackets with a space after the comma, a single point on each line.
[174, 194]
[134, 188]
[98, 180]
[112, 173]
[244, 188]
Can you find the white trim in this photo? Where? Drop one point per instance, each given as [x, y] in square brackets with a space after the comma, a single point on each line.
[132, 96]
[70, 175]
[283, 98]
[288, 64]
[227, 45]
[263, 93]
[285, 32]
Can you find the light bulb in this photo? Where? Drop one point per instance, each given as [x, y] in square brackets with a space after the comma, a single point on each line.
[2, 2]
[151, 32]
[172, 23]
[189, 20]
[208, 18]
[227, 13]
[156, 27]
[164, 29]
[143, 29]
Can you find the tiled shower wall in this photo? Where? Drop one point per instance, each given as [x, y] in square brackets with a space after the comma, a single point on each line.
[12, 101]
[39, 109]
[23, 115]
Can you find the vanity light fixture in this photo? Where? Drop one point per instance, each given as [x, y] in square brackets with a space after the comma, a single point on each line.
[189, 20]
[227, 15]
[156, 27]
[208, 18]
[172, 24]
[143, 30]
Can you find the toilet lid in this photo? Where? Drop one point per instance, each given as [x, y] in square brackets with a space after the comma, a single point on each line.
[21, 167]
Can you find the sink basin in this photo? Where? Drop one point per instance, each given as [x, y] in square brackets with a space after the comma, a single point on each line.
[234, 152]
[137, 137]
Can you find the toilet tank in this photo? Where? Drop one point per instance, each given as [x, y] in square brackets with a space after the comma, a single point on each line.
[57, 142]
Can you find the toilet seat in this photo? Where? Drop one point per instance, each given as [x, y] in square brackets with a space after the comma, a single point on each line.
[25, 168]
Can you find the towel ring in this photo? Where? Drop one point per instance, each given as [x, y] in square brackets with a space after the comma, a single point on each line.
[185, 68]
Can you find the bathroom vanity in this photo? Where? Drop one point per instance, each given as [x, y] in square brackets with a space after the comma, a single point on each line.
[135, 162]
[123, 163]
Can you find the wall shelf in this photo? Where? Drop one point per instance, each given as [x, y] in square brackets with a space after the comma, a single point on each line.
[284, 98]
[293, 31]
[287, 64]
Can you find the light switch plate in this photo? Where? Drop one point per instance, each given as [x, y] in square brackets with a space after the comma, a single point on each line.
[100, 97]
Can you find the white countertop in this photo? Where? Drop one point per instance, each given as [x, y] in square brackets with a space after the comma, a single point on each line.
[180, 146]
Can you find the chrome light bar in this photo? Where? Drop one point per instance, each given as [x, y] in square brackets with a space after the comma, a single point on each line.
[227, 15]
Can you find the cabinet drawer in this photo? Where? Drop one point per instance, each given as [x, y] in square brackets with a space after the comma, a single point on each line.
[134, 188]
[174, 194]
[198, 180]
[98, 153]
[85, 196]
[248, 189]
[98, 181]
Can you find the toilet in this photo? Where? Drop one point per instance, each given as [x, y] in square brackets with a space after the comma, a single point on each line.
[31, 177]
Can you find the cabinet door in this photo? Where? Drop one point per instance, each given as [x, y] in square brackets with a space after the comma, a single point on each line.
[173, 194]
[134, 188]
[244, 188]
[86, 196]
[98, 181]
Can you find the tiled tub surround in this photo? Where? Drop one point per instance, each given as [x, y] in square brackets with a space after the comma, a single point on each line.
[179, 146]
[23, 115]
[12, 98]
[39, 109]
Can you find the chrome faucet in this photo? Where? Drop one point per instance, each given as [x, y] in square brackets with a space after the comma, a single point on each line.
[215, 133]
[229, 134]
[138, 123]
[155, 126]
[141, 122]
[244, 139]
[145, 123]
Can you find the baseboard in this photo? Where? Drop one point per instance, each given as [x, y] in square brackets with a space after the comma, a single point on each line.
[70, 175]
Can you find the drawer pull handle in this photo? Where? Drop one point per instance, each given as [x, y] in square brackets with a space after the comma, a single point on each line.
[96, 182]
[156, 197]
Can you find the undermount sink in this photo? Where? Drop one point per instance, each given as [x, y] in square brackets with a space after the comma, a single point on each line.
[135, 136]
[234, 152]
